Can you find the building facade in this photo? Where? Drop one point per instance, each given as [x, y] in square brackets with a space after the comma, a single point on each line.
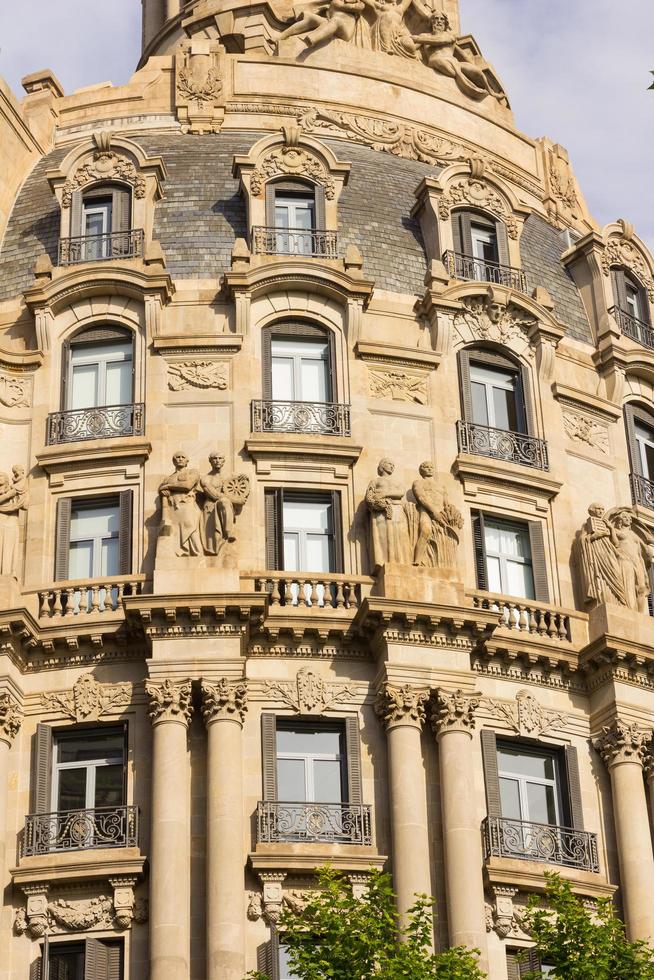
[327, 504]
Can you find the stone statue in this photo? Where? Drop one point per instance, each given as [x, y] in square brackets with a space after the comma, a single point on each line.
[444, 54]
[13, 499]
[323, 20]
[438, 522]
[222, 495]
[179, 504]
[389, 32]
[389, 529]
[615, 552]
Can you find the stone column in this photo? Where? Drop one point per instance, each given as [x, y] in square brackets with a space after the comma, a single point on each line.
[623, 748]
[403, 712]
[223, 709]
[453, 721]
[170, 846]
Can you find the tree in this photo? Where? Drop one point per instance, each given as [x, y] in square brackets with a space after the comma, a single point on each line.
[336, 936]
[582, 944]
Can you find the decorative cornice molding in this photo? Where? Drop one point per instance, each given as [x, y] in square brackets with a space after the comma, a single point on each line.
[454, 711]
[169, 701]
[224, 701]
[402, 705]
[105, 165]
[309, 693]
[622, 742]
[621, 251]
[88, 700]
[481, 195]
[526, 715]
[11, 717]
[295, 162]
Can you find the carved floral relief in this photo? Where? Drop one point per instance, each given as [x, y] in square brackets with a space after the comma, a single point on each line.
[14, 392]
[584, 429]
[309, 693]
[398, 386]
[487, 318]
[621, 251]
[198, 374]
[296, 162]
[478, 194]
[105, 165]
[88, 700]
[526, 715]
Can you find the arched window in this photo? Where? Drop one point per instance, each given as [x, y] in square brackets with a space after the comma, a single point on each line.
[631, 307]
[481, 250]
[97, 395]
[100, 226]
[299, 384]
[639, 421]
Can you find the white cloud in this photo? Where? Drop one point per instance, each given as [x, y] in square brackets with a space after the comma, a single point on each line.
[576, 70]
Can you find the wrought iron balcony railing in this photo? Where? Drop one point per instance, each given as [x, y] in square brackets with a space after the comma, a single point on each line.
[102, 422]
[101, 248]
[319, 418]
[540, 842]
[642, 491]
[634, 328]
[79, 830]
[308, 823]
[482, 440]
[461, 266]
[309, 242]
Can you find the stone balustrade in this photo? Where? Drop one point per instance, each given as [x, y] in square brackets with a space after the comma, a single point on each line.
[528, 616]
[319, 591]
[88, 596]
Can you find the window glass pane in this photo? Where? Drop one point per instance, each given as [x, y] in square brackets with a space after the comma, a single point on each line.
[283, 387]
[520, 580]
[634, 304]
[505, 410]
[66, 963]
[540, 800]
[648, 468]
[318, 553]
[109, 784]
[291, 552]
[94, 522]
[510, 799]
[327, 781]
[72, 789]
[119, 383]
[493, 574]
[109, 747]
[282, 217]
[493, 537]
[95, 222]
[110, 563]
[495, 376]
[526, 763]
[307, 515]
[84, 386]
[515, 542]
[309, 741]
[479, 405]
[80, 559]
[313, 380]
[291, 780]
[284, 969]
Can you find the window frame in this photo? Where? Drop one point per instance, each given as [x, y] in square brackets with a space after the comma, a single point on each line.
[298, 330]
[105, 333]
[60, 735]
[64, 511]
[623, 280]
[310, 758]
[636, 414]
[121, 206]
[304, 188]
[103, 959]
[539, 563]
[462, 220]
[524, 748]
[492, 359]
[274, 499]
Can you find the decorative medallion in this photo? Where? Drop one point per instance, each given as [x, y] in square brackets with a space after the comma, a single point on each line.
[296, 162]
[310, 694]
[106, 165]
[526, 715]
[88, 699]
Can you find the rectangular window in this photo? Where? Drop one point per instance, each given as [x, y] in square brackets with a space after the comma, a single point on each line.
[300, 370]
[508, 558]
[484, 243]
[92, 959]
[311, 763]
[496, 398]
[96, 225]
[295, 219]
[100, 375]
[94, 545]
[645, 449]
[285, 972]
[88, 770]
[530, 784]
[303, 531]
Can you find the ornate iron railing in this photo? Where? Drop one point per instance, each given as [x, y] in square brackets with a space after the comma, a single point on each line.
[540, 842]
[79, 830]
[527, 617]
[332, 823]
[634, 328]
[318, 591]
[310, 242]
[642, 491]
[482, 440]
[86, 596]
[321, 418]
[103, 422]
[101, 248]
[461, 266]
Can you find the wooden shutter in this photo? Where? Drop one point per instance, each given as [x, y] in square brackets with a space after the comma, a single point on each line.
[36, 968]
[491, 776]
[125, 503]
[319, 207]
[530, 963]
[76, 207]
[62, 539]
[619, 284]
[269, 755]
[332, 374]
[266, 363]
[66, 374]
[631, 416]
[337, 530]
[42, 769]
[576, 813]
[270, 205]
[465, 224]
[512, 965]
[114, 962]
[503, 255]
[273, 501]
[479, 538]
[465, 385]
[121, 209]
[353, 749]
[525, 403]
[538, 561]
[457, 233]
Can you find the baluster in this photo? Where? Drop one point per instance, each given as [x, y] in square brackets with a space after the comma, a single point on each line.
[68, 602]
[275, 595]
[541, 615]
[313, 599]
[94, 604]
[120, 588]
[340, 594]
[43, 604]
[56, 608]
[564, 627]
[552, 631]
[533, 621]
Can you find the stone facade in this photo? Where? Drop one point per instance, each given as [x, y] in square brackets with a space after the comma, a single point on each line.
[428, 542]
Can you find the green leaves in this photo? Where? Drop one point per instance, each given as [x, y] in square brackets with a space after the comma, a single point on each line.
[339, 937]
[583, 944]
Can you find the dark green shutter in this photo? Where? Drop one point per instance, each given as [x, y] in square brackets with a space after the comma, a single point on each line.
[491, 775]
[630, 418]
[353, 750]
[337, 531]
[42, 769]
[619, 286]
[479, 538]
[125, 531]
[576, 813]
[538, 561]
[76, 207]
[466, 386]
[62, 539]
[266, 363]
[269, 755]
[502, 239]
[273, 500]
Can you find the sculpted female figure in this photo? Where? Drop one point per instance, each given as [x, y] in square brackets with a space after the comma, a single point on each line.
[389, 529]
[389, 32]
[615, 559]
[633, 554]
[13, 499]
[180, 510]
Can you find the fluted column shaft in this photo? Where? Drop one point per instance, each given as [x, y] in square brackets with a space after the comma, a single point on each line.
[170, 852]
[223, 708]
[623, 748]
[453, 722]
[403, 712]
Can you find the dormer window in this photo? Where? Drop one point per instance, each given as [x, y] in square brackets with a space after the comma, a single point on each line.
[295, 222]
[481, 251]
[295, 219]
[101, 226]
[631, 307]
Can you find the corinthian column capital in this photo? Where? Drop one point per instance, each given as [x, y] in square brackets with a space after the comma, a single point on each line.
[169, 701]
[224, 701]
[454, 711]
[401, 705]
[621, 742]
[11, 717]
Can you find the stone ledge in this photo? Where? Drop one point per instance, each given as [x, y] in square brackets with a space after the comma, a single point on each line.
[476, 472]
[90, 865]
[59, 460]
[305, 858]
[529, 876]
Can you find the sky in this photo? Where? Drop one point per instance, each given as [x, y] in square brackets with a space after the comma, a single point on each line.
[575, 70]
